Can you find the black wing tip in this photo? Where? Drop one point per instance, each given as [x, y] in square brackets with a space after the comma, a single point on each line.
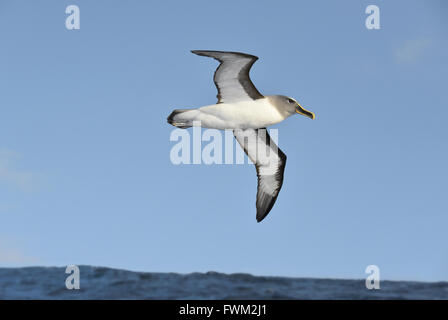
[198, 52]
[260, 216]
[264, 208]
[206, 53]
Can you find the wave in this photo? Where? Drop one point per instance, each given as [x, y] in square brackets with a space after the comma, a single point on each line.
[108, 283]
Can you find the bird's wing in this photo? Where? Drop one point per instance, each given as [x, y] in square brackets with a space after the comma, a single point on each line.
[270, 163]
[232, 75]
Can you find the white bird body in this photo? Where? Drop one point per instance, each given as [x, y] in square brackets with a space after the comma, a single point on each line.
[250, 114]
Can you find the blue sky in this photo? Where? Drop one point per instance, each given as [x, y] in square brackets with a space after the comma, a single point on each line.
[85, 173]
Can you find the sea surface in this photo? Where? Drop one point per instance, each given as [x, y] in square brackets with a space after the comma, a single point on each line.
[107, 283]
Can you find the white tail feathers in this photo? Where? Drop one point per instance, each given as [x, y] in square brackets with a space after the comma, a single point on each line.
[182, 118]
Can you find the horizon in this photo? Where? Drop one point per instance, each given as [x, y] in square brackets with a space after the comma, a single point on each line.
[363, 279]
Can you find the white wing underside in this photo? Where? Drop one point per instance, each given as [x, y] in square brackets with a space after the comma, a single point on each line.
[269, 162]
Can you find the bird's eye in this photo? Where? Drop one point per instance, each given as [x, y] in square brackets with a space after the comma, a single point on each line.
[291, 101]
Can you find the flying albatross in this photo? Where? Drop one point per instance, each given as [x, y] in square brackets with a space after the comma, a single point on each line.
[242, 108]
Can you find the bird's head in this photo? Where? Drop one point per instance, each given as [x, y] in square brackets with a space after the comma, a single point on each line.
[290, 106]
[300, 110]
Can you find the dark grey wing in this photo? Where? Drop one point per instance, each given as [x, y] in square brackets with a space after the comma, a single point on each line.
[270, 163]
[232, 75]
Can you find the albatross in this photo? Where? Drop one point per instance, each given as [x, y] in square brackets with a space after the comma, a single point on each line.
[243, 109]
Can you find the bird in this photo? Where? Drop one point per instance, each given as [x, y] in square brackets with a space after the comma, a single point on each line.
[243, 109]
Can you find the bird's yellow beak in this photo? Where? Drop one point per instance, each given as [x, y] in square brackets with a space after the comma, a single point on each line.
[304, 112]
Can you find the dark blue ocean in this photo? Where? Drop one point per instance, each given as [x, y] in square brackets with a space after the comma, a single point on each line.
[107, 283]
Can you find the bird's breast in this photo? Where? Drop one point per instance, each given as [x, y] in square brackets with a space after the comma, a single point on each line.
[245, 114]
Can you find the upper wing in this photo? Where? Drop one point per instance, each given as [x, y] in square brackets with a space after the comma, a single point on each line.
[232, 75]
[270, 163]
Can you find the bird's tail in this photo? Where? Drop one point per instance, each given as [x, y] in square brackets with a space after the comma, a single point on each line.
[182, 118]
